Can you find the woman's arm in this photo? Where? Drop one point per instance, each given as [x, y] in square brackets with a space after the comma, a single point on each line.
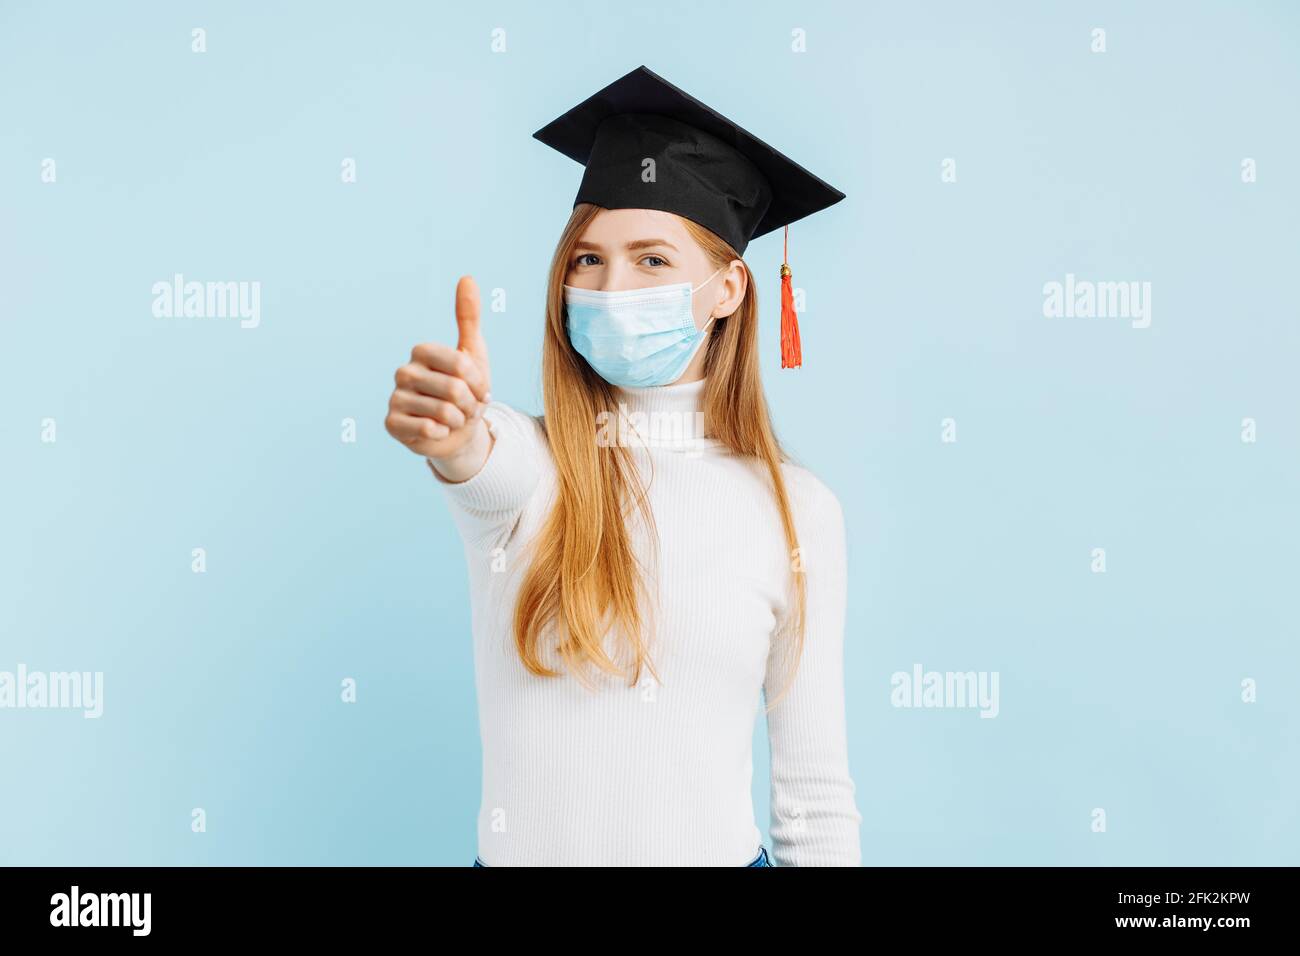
[501, 470]
[487, 455]
[468, 461]
[815, 819]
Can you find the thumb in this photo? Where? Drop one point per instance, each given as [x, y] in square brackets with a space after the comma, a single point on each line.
[470, 335]
[467, 318]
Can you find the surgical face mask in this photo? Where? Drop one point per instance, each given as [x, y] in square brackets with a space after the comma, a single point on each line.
[636, 337]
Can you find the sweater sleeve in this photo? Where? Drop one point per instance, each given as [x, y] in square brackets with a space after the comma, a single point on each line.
[486, 507]
[815, 819]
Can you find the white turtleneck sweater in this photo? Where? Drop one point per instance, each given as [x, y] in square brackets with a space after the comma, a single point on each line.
[660, 774]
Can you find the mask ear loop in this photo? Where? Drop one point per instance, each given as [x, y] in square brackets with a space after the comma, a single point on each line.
[700, 341]
[707, 281]
[701, 286]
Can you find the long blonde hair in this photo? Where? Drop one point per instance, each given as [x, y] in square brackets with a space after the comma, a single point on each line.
[583, 574]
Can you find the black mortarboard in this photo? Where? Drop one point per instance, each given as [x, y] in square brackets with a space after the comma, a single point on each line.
[706, 168]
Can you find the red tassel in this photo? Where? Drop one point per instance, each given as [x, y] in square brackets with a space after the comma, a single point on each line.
[791, 349]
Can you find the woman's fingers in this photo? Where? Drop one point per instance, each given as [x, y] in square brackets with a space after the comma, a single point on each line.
[420, 379]
[442, 391]
[454, 362]
[410, 429]
[425, 406]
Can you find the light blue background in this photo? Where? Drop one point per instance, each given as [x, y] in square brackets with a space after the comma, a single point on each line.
[924, 301]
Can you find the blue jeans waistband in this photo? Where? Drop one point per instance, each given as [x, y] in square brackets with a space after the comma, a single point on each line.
[761, 860]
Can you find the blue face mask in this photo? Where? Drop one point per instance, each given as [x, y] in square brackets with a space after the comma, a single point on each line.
[636, 337]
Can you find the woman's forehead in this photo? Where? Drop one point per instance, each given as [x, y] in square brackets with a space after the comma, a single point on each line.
[619, 226]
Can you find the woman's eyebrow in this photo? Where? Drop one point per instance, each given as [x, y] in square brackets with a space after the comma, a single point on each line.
[631, 246]
[649, 243]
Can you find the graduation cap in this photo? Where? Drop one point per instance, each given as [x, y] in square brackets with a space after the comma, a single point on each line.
[706, 169]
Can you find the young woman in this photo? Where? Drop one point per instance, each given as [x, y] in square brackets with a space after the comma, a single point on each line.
[644, 560]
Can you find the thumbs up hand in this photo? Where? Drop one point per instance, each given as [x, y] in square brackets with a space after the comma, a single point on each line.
[436, 409]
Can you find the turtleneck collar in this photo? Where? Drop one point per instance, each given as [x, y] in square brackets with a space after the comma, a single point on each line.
[685, 397]
[664, 416]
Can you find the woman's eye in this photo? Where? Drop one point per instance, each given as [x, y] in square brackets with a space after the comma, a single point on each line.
[655, 261]
[582, 259]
